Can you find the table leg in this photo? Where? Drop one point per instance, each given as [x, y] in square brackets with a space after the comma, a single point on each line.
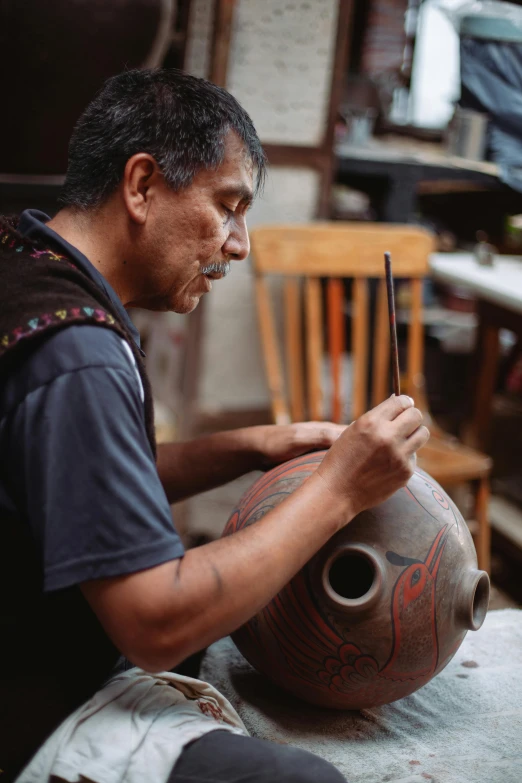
[483, 540]
[400, 204]
[487, 356]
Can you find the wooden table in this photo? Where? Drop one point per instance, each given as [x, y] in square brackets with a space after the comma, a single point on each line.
[499, 306]
[410, 168]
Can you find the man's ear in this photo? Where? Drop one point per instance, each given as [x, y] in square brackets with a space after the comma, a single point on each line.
[140, 177]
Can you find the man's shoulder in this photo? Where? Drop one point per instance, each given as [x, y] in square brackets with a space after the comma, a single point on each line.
[72, 349]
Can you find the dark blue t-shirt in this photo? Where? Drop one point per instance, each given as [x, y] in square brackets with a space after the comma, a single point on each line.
[80, 499]
[75, 458]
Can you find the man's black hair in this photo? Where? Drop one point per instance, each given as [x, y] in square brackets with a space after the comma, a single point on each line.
[180, 120]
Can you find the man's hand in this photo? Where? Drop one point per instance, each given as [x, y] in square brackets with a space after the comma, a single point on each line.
[375, 456]
[278, 443]
[199, 465]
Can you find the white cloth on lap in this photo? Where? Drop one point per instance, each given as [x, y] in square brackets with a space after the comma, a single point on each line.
[132, 730]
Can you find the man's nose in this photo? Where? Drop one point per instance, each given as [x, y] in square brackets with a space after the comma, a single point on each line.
[237, 244]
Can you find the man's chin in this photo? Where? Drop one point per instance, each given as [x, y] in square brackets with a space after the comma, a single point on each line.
[185, 306]
[182, 305]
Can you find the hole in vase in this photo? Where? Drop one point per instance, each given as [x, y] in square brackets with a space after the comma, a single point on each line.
[351, 575]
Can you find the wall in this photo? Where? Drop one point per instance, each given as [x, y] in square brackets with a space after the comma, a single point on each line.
[280, 69]
[385, 37]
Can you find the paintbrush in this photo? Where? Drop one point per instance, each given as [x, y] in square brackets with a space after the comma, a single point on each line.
[393, 325]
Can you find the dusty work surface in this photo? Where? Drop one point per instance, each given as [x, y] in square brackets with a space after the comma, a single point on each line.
[465, 726]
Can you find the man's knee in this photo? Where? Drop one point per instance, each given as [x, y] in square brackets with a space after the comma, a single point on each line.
[300, 766]
[221, 756]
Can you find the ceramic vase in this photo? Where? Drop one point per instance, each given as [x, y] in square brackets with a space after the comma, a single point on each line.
[380, 609]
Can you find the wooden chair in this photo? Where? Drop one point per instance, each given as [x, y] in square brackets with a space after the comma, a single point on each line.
[300, 256]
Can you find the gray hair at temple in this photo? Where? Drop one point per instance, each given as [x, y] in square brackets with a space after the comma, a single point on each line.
[180, 120]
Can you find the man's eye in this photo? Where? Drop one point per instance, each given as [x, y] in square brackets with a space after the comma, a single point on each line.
[228, 210]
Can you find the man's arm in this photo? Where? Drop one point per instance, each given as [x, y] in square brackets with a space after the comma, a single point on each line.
[76, 460]
[187, 468]
[161, 615]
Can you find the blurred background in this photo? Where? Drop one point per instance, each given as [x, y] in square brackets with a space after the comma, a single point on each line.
[371, 111]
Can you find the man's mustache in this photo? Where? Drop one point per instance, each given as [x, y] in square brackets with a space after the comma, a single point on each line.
[216, 268]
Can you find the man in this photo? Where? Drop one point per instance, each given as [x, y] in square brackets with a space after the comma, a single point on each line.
[162, 170]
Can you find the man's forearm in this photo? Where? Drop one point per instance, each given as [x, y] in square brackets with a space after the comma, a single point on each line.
[195, 466]
[221, 585]
[182, 606]
[185, 469]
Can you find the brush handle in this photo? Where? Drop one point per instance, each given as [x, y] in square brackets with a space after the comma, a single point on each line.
[393, 325]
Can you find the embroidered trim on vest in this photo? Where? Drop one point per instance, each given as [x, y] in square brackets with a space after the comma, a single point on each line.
[6, 234]
[83, 314]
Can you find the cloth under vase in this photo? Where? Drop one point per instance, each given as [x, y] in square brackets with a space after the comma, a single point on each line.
[465, 726]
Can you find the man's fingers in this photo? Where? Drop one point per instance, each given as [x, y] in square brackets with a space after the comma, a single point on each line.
[418, 439]
[409, 420]
[322, 433]
[330, 432]
[393, 406]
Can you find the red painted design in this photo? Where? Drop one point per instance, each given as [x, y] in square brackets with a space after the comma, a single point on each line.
[415, 586]
[211, 710]
[305, 637]
[442, 501]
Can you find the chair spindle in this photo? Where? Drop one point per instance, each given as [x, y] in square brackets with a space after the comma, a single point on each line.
[314, 336]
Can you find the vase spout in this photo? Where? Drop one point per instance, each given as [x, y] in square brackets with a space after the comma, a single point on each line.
[473, 599]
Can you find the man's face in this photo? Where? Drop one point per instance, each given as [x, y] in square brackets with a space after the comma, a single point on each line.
[191, 236]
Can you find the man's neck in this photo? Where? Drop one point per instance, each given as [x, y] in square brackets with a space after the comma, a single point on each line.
[95, 235]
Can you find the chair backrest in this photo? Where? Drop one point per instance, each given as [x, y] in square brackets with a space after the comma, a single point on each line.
[304, 254]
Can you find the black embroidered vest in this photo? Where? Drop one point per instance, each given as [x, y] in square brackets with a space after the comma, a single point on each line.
[41, 292]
